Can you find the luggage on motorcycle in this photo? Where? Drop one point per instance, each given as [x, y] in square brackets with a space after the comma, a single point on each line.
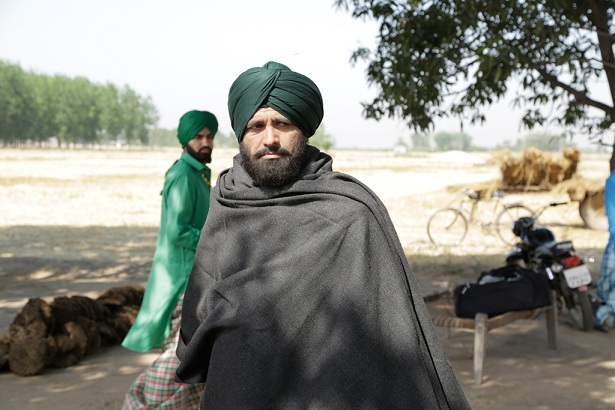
[539, 236]
[501, 290]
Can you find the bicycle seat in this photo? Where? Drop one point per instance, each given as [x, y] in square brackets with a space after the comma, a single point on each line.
[498, 194]
[472, 194]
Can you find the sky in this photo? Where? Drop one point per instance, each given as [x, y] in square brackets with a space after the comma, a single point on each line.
[185, 54]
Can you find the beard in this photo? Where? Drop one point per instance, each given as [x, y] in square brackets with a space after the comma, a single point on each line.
[274, 172]
[202, 157]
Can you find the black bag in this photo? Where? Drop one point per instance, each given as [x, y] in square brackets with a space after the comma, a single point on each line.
[502, 290]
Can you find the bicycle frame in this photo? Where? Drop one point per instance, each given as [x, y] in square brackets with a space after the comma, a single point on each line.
[468, 206]
[448, 226]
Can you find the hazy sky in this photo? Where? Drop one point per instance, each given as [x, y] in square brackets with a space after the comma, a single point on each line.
[186, 53]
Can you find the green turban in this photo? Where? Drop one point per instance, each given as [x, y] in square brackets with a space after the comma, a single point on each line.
[291, 94]
[194, 121]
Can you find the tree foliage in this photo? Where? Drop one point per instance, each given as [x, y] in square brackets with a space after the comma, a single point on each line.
[420, 141]
[441, 58]
[223, 140]
[321, 139]
[545, 141]
[446, 141]
[35, 107]
[16, 105]
[162, 137]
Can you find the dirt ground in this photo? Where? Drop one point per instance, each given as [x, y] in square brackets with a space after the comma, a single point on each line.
[79, 222]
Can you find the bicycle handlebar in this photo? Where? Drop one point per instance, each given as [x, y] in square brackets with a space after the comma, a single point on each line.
[549, 205]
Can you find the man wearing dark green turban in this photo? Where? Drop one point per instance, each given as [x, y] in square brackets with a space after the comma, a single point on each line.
[291, 94]
[301, 296]
[185, 204]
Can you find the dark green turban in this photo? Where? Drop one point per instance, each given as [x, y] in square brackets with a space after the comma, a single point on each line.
[194, 121]
[291, 94]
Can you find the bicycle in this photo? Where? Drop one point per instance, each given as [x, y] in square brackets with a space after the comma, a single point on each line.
[449, 226]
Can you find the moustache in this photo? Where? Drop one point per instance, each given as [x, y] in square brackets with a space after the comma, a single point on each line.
[279, 151]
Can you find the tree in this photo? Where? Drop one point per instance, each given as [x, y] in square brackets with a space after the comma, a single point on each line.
[420, 141]
[34, 107]
[138, 113]
[47, 101]
[76, 112]
[223, 140]
[545, 141]
[162, 137]
[321, 139]
[446, 141]
[439, 58]
[17, 106]
[111, 112]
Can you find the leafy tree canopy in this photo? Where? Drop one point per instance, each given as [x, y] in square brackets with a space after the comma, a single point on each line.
[35, 107]
[440, 58]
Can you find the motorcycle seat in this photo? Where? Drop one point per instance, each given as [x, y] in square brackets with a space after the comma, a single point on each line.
[557, 247]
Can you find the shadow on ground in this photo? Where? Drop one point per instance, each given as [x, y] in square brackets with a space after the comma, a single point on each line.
[50, 261]
[519, 372]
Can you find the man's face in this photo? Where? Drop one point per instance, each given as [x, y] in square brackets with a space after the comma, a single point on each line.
[272, 148]
[201, 146]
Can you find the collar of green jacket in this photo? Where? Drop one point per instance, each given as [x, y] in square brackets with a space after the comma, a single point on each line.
[193, 162]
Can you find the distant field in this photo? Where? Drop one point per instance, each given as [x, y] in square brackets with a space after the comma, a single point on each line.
[104, 194]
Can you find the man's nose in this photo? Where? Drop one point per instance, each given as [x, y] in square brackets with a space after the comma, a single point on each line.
[271, 136]
[208, 142]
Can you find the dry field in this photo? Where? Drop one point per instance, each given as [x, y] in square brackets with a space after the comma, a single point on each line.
[81, 221]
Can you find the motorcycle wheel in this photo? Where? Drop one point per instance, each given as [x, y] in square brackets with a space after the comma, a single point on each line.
[504, 221]
[580, 310]
[447, 227]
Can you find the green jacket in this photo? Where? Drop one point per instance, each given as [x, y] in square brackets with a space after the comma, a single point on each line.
[185, 203]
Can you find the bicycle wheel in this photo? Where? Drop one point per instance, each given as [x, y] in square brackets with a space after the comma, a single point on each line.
[505, 219]
[447, 227]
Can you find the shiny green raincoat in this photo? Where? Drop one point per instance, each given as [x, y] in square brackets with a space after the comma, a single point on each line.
[185, 204]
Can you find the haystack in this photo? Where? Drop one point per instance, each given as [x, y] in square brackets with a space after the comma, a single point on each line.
[532, 171]
[61, 333]
[535, 169]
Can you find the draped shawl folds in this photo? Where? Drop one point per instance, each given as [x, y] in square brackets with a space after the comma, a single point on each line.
[301, 297]
[194, 121]
[290, 93]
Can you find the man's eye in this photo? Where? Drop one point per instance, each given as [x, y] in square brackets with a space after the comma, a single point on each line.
[282, 123]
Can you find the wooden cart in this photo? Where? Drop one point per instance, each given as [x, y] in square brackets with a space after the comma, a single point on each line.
[535, 171]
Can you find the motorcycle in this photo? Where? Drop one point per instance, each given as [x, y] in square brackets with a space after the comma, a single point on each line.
[567, 273]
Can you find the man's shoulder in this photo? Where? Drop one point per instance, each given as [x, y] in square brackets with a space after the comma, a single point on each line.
[179, 170]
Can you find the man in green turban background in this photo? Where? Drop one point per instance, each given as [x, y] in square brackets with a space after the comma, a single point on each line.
[301, 295]
[185, 204]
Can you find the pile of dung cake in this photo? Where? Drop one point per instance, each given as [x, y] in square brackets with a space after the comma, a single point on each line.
[62, 332]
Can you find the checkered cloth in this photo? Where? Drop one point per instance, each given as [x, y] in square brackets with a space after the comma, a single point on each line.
[155, 388]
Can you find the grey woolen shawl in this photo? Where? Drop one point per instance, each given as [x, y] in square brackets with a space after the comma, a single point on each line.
[301, 297]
